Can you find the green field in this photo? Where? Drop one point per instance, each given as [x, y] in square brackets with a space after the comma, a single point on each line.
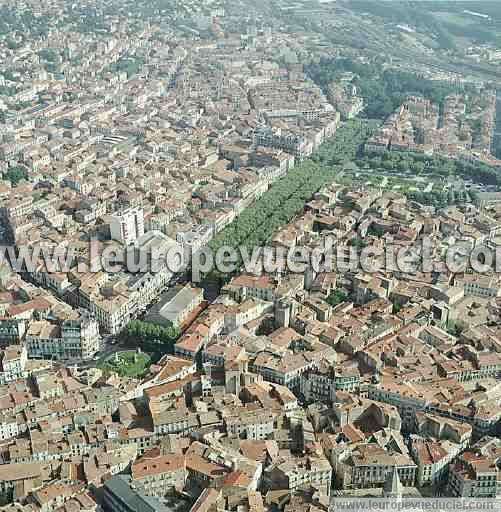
[128, 363]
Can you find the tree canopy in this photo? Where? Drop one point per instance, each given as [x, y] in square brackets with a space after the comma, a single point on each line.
[278, 206]
[336, 297]
[16, 174]
[383, 92]
[149, 337]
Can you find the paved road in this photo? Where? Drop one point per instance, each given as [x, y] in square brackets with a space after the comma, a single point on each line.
[105, 352]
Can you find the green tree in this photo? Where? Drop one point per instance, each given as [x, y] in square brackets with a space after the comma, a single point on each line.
[455, 327]
[336, 297]
[16, 174]
[149, 337]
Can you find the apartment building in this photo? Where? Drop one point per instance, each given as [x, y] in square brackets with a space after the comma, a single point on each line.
[127, 226]
[9, 427]
[318, 384]
[113, 306]
[191, 344]
[12, 330]
[259, 287]
[402, 396]
[432, 459]
[440, 428]
[346, 378]
[277, 139]
[369, 465]
[12, 475]
[174, 422]
[294, 473]
[250, 423]
[478, 285]
[159, 474]
[13, 363]
[285, 370]
[245, 312]
[69, 339]
[194, 239]
[203, 472]
[474, 476]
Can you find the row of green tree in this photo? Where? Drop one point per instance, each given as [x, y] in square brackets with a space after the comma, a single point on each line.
[150, 337]
[281, 203]
[474, 170]
[441, 198]
[404, 162]
[437, 166]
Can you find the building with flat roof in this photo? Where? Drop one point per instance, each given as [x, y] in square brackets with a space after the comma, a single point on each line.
[122, 495]
[175, 306]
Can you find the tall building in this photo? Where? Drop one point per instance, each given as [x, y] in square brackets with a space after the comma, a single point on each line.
[127, 226]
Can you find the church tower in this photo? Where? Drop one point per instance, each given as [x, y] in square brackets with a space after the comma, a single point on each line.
[393, 487]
